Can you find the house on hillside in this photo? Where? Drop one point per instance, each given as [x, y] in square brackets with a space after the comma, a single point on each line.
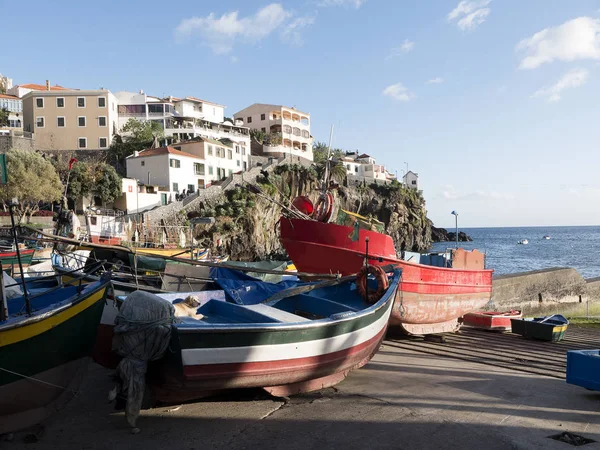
[411, 180]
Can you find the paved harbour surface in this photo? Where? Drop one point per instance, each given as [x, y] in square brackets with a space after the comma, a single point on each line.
[477, 390]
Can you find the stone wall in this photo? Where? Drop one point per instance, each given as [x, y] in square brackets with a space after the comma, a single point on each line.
[17, 141]
[545, 291]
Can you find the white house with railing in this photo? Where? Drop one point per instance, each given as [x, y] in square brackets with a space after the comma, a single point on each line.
[364, 167]
[291, 125]
[182, 118]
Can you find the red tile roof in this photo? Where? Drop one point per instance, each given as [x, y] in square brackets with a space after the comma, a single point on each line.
[12, 97]
[163, 151]
[42, 87]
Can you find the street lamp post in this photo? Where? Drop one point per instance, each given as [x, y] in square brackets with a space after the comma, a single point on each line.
[455, 214]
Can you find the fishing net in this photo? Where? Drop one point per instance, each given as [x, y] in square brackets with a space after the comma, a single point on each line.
[365, 223]
[142, 334]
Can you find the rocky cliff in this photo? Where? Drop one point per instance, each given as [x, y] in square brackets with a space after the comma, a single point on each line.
[443, 235]
[246, 225]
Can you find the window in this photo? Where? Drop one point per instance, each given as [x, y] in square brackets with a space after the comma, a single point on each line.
[238, 163]
[210, 170]
[263, 129]
[93, 220]
[60, 122]
[143, 163]
[237, 149]
[39, 102]
[156, 109]
[230, 172]
[175, 187]
[190, 188]
[81, 102]
[81, 121]
[101, 121]
[103, 142]
[175, 163]
[262, 117]
[101, 102]
[39, 122]
[229, 154]
[348, 166]
[199, 169]
[60, 102]
[210, 150]
[414, 182]
[249, 119]
[82, 143]
[243, 150]
[356, 169]
[221, 152]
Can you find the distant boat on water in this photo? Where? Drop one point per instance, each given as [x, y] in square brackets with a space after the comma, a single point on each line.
[546, 236]
[523, 242]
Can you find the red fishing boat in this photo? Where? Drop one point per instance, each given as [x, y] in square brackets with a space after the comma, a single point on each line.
[432, 295]
[491, 320]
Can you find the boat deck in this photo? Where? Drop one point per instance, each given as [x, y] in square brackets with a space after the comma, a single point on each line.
[506, 350]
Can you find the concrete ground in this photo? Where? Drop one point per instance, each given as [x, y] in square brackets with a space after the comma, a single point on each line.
[401, 400]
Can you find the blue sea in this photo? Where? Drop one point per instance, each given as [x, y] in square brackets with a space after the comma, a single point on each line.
[577, 247]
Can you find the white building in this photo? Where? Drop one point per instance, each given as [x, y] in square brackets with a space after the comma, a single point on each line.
[14, 106]
[365, 168]
[290, 124]
[220, 158]
[411, 180]
[182, 118]
[172, 170]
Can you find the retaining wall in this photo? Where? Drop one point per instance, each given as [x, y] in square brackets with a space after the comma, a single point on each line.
[546, 291]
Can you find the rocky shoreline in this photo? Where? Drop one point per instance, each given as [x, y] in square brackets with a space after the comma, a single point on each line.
[443, 235]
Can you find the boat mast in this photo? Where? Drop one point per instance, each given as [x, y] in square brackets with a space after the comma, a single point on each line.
[325, 183]
[11, 207]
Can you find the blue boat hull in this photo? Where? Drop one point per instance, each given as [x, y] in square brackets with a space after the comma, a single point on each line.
[583, 368]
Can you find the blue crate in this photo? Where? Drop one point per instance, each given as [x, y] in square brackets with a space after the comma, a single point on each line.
[583, 368]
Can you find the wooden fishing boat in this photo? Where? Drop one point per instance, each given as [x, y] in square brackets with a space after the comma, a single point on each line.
[9, 258]
[583, 368]
[42, 354]
[303, 337]
[491, 320]
[431, 297]
[549, 328]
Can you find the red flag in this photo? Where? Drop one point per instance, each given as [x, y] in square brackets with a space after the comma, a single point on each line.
[71, 162]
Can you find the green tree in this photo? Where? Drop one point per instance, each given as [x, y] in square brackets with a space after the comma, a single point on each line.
[31, 180]
[4, 117]
[98, 179]
[107, 184]
[135, 136]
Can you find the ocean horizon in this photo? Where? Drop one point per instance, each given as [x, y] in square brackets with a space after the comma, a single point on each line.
[568, 246]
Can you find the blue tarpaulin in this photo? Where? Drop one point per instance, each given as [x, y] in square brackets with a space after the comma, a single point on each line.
[246, 290]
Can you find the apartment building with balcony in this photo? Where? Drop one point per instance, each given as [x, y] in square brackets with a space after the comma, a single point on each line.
[291, 125]
[14, 106]
[364, 167]
[182, 118]
[70, 119]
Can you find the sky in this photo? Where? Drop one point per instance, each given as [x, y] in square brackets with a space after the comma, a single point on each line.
[495, 104]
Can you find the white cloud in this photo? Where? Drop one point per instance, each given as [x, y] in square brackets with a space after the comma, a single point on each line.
[436, 80]
[220, 33]
[353, 3]
[234, 59]
[470, 14]
[575, 39]
[292, 31]
[398, 92]
[406, 47]
[450, 193]
[572, 79]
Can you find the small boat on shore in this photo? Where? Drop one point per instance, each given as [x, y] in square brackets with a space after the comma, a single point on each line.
[8, 258]
[435, 290]
[45, 344]
[287, 338]
[491, 320]
[549, 328]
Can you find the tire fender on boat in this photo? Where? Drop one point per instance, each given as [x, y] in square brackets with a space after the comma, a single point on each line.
[380, 277]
